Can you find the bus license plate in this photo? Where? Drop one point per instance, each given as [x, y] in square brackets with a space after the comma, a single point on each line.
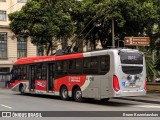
[132, 84]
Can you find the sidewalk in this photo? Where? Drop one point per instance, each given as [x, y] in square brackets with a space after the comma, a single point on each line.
[151, 97]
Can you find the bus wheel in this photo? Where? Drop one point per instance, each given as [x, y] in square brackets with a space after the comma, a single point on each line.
[64, 93]
[21, 89]
[78, 95]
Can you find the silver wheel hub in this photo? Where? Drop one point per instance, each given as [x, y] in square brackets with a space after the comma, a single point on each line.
[22, 89]
[65, 93]
[78, 94]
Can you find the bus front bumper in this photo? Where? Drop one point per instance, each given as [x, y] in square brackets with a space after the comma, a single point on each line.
[130, 93]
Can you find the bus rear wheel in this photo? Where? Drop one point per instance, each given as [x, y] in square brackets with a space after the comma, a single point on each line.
[21, 88]
[64, 93]
[78, 95]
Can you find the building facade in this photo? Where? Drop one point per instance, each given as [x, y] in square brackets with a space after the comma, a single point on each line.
[11, 48]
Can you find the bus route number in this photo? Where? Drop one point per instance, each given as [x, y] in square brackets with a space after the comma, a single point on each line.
[131, 57]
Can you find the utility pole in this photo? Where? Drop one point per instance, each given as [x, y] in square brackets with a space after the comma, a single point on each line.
[113, 41]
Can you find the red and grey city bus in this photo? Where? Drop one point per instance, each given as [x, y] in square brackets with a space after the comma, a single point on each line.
[99, 74]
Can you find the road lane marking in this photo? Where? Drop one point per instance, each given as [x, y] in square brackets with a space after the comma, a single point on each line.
[6, 106]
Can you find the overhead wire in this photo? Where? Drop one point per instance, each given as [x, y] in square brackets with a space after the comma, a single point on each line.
[88, 32]
[12, 6]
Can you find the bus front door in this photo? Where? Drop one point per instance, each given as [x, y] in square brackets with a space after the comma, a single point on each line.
[31, 77]
[50, 77]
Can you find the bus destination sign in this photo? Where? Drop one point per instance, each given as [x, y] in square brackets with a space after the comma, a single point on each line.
[137, 41]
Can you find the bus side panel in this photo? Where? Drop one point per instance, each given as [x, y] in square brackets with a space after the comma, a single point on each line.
[90, 89]
[16, 83]
[41, 85]
[69, 82]
[98, 87]
[108, 91]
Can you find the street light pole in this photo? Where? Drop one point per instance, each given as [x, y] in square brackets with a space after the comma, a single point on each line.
[113, 41]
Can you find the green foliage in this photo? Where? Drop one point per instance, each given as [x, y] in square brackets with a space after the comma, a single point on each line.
[157, 64]
[131, 18]
[44, 21]
[150, 67]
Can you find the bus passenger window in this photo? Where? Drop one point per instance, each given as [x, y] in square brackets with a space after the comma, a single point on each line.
[64, 67]
[61, 67]
[78, 64]
[86, 63]
[71, 64]
[90, 65]
[105, 63]
[94, 62]
[75, 66]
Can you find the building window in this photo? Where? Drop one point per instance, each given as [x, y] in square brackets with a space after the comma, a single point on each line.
[4, 74]
[22, 47]
[3, 15]
[3, 45]
[2, 0]
[22, 1]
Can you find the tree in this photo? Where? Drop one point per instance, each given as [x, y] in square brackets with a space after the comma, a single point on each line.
[44, 21]
[151, 70]
[131, 18]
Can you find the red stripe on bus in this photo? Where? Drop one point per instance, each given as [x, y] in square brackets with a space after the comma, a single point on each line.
[47, 58]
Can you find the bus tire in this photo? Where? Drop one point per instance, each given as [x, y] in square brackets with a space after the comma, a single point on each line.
[64, 93]
[77, 94]
[21, 89]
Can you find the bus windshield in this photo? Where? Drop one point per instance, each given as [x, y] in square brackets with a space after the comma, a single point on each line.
[13, 75]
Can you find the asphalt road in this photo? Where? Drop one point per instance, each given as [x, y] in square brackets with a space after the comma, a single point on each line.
[12, 101]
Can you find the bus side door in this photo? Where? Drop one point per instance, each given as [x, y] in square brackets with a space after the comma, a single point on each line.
[31, 77]
[50, 76]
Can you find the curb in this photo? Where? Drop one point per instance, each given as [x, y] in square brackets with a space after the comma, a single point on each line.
[140, 100]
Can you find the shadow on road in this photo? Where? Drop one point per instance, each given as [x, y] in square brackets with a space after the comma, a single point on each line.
[88, 101]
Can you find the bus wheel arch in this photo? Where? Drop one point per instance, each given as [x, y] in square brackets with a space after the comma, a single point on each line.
[21, 88]
[64, 92]
[77, 93]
